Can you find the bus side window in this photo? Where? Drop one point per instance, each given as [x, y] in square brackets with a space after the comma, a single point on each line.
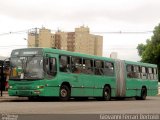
[139, 72]
[76, 64]
[129, 71]
[144, 73]
[64, 63]
[99, 67]
[88, 66]
[136, 72]
[150, 73]
[155, 73]
[108, 69]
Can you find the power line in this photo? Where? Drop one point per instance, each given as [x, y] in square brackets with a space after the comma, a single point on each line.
[15, 32]
[114, 32]
[96, 32]
[124, 32]
[11, 46]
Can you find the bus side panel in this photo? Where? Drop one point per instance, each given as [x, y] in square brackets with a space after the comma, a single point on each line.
[75, 92]
[75, 81]
[52, 87]
[100, 82]
[152, 88]
[88, 83]
[133, 87]
[82, 85]
[51, 91]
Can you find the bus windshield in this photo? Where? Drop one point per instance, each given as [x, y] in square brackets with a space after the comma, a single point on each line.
[26, 67]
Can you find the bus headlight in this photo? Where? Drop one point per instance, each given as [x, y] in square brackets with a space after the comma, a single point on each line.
[10, 87]
[39, 87]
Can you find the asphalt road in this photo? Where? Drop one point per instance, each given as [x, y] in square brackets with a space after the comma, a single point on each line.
[127, 106]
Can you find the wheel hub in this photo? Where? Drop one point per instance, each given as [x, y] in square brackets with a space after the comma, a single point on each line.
[63, 93]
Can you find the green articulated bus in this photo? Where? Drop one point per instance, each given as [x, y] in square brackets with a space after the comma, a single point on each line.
[48, 72]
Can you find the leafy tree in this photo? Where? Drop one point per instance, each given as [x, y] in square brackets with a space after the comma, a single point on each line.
[150, 52]
[141, 47]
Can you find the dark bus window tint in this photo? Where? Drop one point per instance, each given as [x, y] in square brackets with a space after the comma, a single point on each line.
[133, 71]
[87, 66]
[64, 63]
[129, 68]
[129, 71]
[76, 63]
[109, 69]
[99, 67]
[144, 73]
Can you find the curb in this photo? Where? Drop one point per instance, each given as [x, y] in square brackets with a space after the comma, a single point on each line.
[12, 98]
[5, 97]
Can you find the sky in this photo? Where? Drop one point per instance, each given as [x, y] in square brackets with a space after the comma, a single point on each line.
[108, 18]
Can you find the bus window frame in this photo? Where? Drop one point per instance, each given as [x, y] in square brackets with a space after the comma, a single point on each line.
[68, 65]
[84, 70]
[110, 73]
[144, 73]
[76, 68]
[48, 73]
[155, 73]
[99, 70]
[134, 71]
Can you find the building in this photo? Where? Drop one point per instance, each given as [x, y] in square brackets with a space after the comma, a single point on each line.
[78, 41]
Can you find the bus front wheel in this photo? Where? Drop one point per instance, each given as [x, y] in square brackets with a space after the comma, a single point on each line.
[64, 93]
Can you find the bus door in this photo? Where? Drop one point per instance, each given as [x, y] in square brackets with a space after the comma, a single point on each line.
[120, 79]
[51, 68]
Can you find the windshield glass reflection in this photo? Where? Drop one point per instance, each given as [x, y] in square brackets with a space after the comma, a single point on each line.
[30, 67]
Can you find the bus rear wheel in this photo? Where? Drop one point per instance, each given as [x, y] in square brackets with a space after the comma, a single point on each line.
[106, 93]
[64, 94]
[143, 94]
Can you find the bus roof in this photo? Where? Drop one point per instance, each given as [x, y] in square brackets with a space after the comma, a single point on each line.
[141, 64]
[64, 52]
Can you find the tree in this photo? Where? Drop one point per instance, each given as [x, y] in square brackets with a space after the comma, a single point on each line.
[150, 52]
[141, 47]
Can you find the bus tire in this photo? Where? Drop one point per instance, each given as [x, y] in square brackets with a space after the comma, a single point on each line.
[106, 93]
[65, 92]
[143, 93]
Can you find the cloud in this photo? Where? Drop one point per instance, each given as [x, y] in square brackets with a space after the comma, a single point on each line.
[45, 10]
[99, 15]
